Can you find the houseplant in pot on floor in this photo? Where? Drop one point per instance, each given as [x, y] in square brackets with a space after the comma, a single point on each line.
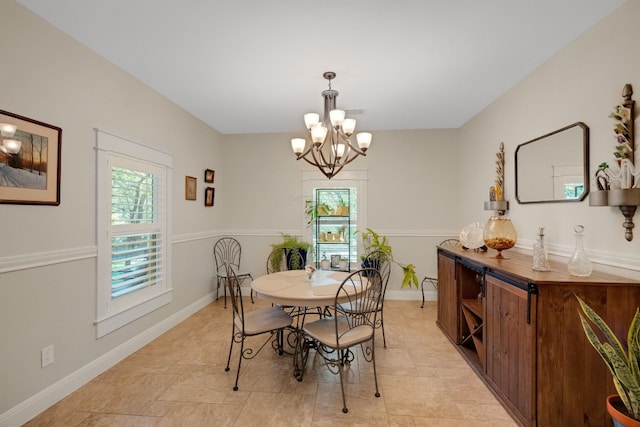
[624, 365]
[293, 250]
[373, 241]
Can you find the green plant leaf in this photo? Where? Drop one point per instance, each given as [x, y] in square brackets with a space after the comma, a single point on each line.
[624, 366]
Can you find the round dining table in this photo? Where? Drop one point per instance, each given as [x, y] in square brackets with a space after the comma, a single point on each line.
[293, 289]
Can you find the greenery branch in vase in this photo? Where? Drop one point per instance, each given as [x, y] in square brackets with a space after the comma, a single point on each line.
[624, 365]
[373, 241]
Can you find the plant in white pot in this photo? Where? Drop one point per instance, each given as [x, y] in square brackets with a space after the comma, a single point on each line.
[624, 365]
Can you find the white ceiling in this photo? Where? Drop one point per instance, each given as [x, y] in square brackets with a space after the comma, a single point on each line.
[255, 66]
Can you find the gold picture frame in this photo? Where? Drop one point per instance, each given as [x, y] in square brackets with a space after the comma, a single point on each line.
[190, 187]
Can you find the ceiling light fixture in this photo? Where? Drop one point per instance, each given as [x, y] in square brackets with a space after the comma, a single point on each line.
[330, 148]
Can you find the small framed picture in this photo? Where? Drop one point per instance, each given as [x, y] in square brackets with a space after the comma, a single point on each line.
[335, 261]
[209, 176]
[190, 187]
[209, 194]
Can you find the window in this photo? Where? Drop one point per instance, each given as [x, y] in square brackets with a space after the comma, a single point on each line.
[134, 252]
[356, 181]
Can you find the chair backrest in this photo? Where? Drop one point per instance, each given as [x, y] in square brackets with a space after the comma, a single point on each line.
[227, 250]
[235, 294]
[284, 259]
[451, 242]
[359, 309]
[381, 261]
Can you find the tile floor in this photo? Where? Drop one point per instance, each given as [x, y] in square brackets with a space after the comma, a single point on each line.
[179, 380]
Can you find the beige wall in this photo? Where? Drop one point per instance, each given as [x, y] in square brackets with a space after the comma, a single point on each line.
[581, 83]
[412, 194]
[48, 253]
[423, 185]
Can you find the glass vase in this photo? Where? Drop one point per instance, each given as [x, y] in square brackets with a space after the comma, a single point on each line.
[499, 234]
[579, 264]
[540, 258]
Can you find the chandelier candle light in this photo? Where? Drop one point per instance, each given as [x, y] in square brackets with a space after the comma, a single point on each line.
[331, 147]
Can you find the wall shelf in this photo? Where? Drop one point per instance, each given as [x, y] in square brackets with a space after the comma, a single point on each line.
[626, 198]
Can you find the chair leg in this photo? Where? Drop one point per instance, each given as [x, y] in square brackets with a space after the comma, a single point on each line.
[422, 289]
[373, 360]
[230, 349]
[225, 293]
[384, 338]
[251, 292]
[235, 387]
[344, 398]
[280, 337]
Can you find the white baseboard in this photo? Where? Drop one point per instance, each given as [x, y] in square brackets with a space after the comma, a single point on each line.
[37, 403]
[411, 295]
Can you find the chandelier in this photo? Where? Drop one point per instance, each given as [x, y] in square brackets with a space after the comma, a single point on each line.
[330, 148]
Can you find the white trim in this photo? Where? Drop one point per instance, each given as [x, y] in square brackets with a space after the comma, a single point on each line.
[411, 295]
[42, 259]
[44, 399]
[114, 150]
[624, 260]
[106, 141]
[118, 319]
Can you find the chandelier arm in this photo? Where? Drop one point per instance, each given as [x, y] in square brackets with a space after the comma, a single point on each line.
[350, 144]
[304, 154]
[349, 161]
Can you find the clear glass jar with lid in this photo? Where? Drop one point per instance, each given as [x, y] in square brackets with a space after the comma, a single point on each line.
[579, 264]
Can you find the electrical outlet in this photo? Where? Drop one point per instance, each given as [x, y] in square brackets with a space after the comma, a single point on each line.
[47, 355]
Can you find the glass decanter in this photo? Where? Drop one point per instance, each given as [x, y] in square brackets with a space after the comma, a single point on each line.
[579, 264]
[540, 258]
[499, 234]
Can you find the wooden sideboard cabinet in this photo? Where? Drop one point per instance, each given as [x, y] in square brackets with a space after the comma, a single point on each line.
[520, 331]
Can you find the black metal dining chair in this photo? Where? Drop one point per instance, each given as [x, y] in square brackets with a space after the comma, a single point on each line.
[227, 252]
[433, 280]
[353, 324]
[261, 321]
[381, 261]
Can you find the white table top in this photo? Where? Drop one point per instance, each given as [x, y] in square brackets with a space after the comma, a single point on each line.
[293, 288]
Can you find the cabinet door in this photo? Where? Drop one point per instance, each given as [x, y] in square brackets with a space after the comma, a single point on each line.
[447, 297]
[510, 357]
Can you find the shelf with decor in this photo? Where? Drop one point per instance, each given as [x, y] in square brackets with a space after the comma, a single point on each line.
[619, 183]
[333, 229]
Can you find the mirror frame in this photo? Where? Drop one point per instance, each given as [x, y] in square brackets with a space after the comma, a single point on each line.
[585, 160]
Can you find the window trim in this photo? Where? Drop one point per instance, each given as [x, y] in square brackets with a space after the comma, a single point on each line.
[110, 316]
[352, 178]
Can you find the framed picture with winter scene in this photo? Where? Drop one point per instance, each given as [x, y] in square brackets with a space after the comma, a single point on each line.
[30, 155]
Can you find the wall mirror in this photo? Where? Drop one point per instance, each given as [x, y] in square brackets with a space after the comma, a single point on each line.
[554, 167]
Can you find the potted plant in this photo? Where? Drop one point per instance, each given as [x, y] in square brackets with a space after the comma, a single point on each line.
[373, 241]
[294, 251]
[624, 365]
[313, 210]
[343, 208]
